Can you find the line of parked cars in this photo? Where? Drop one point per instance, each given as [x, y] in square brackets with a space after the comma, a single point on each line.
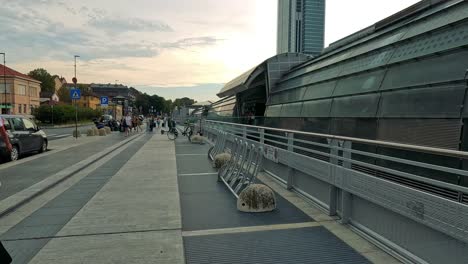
[24, 135]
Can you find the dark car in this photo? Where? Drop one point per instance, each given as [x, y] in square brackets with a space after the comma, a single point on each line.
[25, 137]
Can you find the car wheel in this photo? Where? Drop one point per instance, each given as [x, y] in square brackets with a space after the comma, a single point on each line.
[14, 153]
[43, 147]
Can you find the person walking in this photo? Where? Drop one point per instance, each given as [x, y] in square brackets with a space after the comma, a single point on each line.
[127, 124]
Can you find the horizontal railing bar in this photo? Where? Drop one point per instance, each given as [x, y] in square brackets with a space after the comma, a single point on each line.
[403, 161]
[429, 150]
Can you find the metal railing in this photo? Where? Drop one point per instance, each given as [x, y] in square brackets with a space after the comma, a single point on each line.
[427, 192]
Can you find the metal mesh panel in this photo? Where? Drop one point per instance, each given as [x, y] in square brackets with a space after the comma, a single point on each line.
[273, 110]
[444, 68]
[291, 110]
[445, 39]
[319, 90]
[441, 19]
[369, 61]
[318, 108]
[435, 102]
[354, 127]
[355, 106]
[442, 133]
[364, 82]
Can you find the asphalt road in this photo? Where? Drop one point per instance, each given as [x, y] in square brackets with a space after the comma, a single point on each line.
[58, 133]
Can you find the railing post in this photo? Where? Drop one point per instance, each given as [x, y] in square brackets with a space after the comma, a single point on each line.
[261, 133]
[291, 171]
[332, 194]
[346, 197]
[244, 132]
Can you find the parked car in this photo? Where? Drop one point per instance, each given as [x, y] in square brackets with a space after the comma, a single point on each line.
[25, 137]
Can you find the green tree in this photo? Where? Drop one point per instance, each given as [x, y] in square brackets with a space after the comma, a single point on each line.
[185, 101]
[47, 81]
[64, 94]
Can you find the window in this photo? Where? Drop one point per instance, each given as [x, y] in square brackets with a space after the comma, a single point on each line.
[33, 91]
[7, 124]
[21, 89]
[25, 108]
[29, 125]
[17, 124]
[2, 87]
[19, 108]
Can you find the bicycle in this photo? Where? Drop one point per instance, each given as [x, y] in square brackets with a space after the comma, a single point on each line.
[173, 131]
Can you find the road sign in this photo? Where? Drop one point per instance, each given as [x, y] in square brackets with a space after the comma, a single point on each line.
[104, 101]
[75, 94]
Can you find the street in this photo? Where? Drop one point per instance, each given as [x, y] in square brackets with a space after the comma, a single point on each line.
[57, 133]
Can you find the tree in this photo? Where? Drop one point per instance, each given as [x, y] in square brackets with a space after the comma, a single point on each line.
[185, 101]
[47, 81]
[64, 94]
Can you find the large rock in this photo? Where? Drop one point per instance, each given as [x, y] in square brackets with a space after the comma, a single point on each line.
[90, 133]
[221, 159]
[102, 132]
[256, 198]
[96, 131]
[197, 139]
[108, 130]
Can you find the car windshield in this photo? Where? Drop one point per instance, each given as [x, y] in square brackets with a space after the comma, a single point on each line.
[234, 131]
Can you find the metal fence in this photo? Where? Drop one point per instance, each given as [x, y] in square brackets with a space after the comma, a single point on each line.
[369, 190]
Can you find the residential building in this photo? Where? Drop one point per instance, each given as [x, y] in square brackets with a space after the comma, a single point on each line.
[90, 101]
[301, 26]
[19, 93]
[113, 90]
[59, 83]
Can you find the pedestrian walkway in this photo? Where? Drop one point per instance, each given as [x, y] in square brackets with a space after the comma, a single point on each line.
[158, 201]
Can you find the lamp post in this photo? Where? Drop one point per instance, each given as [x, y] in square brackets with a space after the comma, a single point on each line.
[76, 103]
[4, 85]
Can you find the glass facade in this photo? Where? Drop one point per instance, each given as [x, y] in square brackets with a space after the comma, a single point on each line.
[301, 26]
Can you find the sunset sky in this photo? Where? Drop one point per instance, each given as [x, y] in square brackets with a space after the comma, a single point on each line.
[172, 48]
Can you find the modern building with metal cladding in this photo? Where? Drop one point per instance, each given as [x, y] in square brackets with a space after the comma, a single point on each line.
[301, 26]
[403, 79]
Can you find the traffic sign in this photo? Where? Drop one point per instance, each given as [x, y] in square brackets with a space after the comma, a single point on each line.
[104, 101]
[75, 94]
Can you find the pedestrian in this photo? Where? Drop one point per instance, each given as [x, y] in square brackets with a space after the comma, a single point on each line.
[127, 124]
[158, 122]
[151, 123]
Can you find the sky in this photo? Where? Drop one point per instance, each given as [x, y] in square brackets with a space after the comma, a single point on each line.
[171, 48]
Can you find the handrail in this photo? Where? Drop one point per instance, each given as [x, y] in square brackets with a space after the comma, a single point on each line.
[429, 150]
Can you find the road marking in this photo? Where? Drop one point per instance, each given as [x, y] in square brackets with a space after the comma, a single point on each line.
[195, 174]
[248, 229]
[61, 136]
[191, 155]
[51, 135]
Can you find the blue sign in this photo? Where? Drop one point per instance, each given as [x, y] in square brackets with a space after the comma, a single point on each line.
[104, 101]
[75, 94]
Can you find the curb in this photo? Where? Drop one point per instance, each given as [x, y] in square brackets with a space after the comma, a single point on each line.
[65, 126]
[17, 200]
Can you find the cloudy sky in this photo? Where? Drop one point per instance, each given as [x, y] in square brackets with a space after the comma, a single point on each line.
[172, 48]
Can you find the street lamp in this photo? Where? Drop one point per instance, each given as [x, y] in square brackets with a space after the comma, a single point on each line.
[76, 103]
[4, 84]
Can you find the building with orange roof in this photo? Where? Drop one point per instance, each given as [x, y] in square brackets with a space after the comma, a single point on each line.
[19, 93]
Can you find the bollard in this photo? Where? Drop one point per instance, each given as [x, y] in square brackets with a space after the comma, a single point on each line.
[221, 159]
[75, 133]
[197, 139]
[90, 133]
[102, 132]
[256, 198]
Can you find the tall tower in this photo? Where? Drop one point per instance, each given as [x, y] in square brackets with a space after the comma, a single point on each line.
[301, 26]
